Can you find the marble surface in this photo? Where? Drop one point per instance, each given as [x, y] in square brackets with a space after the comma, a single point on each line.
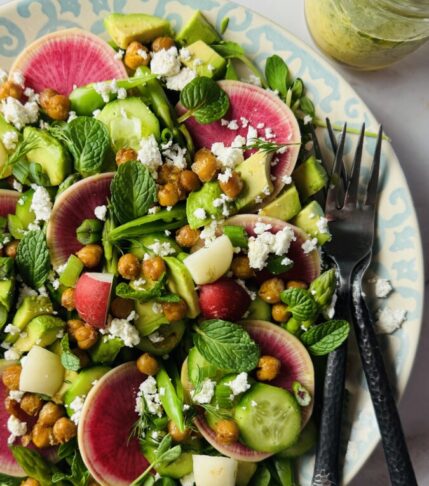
[399, 98]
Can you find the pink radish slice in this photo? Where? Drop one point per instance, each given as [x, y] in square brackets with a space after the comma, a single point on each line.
[256, 105]
[306, 265]
[8, 200]
[68, 58]
[296, 366]
[108, 415]
[73, 206]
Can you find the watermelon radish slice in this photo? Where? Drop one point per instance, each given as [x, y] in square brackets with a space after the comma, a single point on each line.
[67, 58]
[108, 415]
[296, 366]
[306, 266]
[73, 206]
[8, 200]
[257, 106]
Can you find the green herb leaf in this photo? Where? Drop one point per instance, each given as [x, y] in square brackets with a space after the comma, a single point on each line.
[22, 149]
[68, 359]
[277, 72]
[231, 72]
[297, 89]
[224, 25]
[32, 259]
[325, 338]
[276, 266]
[10, 480]
[226, 345]
[133, 191]
[78, 475]
[68, 182]
[6, 267]
[168, 298]
[38, 175]
[323, 288]
[262, 477]
[171, 455]
[126, 291]
[268, 145]
[89, 231]
[213, 111]
[300, 302]
[306, 105]
[67, 449]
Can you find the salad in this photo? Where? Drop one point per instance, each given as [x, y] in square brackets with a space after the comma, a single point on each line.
[163, 311]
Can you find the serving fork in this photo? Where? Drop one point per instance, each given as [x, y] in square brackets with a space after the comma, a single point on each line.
[352, 225]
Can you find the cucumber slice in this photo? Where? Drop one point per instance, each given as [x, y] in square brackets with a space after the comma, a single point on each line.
[269, 418]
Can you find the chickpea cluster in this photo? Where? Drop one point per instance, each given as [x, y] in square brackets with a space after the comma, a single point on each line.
[52, 427]
[83, 334]
[54, 104]
[175, 184]
[131, 268]
[10, 89]
[137, 54]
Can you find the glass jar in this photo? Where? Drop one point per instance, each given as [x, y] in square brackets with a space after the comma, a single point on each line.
[368, 34]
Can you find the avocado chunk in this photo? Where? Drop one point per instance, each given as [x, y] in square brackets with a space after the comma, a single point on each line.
[49, 154]
[199, 368]
[285, 206]
[5, 127]
[32, 306]
[198, 28]
[140, 246]
[176, 469]
[23, 209]
[205, 60]
[42, 330]
[7, 288]
[180, 282]
[69, 378]
[126, 28]
[4, 157]
[106, 350]
[203, 199]
[259, 310]
[83, 384]
[169, 336]
[310, 177]
[256, 174]
[129, 121]
[312, 220]
[149, 319]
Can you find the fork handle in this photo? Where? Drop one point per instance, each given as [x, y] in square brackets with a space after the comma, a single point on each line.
[395, 448]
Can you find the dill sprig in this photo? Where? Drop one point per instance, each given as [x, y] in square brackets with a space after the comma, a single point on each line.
[268, 145]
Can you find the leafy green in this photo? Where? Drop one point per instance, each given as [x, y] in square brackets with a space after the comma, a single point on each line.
[126, 291]
[204, 99]
[6, 480]
[268, 145]
[277, 73]
[323, 288]
[262, 476]
[224, 25]
[68, 359]
[237, 235]
[38, 175]
[307, 106]
[68, 182]
[297, 89]
[276, 266]
[32, 259]
[325, 338]
[226, 345]
[133, 191]
[89, 231]
[300, 302]
[231, 72]
[110, 252]
[6, 267]
[78, 475]
[22, 149]
[168, 298]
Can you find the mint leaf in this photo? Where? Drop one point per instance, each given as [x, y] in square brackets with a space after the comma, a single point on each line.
[325, 338]
[68, 359]
[323, 288]
[300, 302]
[277, 72]
[226, 345]
[126, 291]
[133, 191]
[213, 111]
[32, 259]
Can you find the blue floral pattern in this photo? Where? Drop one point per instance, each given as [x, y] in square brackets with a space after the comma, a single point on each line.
[398, 247]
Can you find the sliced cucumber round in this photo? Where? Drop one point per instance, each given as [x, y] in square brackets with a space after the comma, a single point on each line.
[269, 418]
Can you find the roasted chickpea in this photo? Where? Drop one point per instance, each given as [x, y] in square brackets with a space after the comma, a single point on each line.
[49, 414]
[11, 248]
[42, 436]
[12, 408]
[64, 430]
[168, 173]
[240, 267]
[186, 236]
[233, 186]
[121, 308]
[227, 431]
[296, 284]
[168, 195]
[176, 434]
[153, 268]
[26, 440]
[67, 299]
[90, 255]
[129, 266]
[280, 313]
[12, 90]
[83, 357]
[136, 55]
[45, 95]
[174, 311]
[55, 105]
[270, 290]
[124, 155]
[86, 336]
[11, 377]
[30, 482]
[72, 326]
[189, 181]
[31, 404]
[162, 43]
[147, 364]
[268, 368]
[205, 165]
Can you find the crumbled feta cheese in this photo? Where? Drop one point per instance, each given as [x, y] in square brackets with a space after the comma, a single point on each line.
[260, 227]
[156, 337]
[122, 93]
[154, 210]
[19, 114]
[149, 154]
[382, 288]
[119, 55]
[269, 134]
[139, 283]
[16, 395]
[72, 116]
[265, 243]
[233, 125]
[322, 225]
[76, 406]
[223, 203]
[60, 269]
[225, 176]
[165, 62]
[329, 310]
[389, 320]
[197, 62]
[10, 140]
[185, 54]
[162, 248]
[260, 126]
[12, 330]
[252, 135]
[239, 384]
[11, 355]
[307, 119]
[18, 78]
[244, 122]
[41, 203]
[24, 291]
[210, 67]
[253, 403]
[106, 88]
[100, 212]
[16, 428]
[252, 79]
[228, 157]
[188, 480]
[122, 329]
[200, 213]
[17, 185]
[95, 113]
[156, 308]
[205, 394]
[143, 54]
[181, 79]
[286, 261]
[238, 142]
[208, 234]
[132, 316]
[175, 155]
[309, 245]
[148, 391]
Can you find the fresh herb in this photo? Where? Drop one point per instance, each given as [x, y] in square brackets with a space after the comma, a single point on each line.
[325, 338]
[126, 291]
[231, 73]
[277, 73]
[262, 476]
[133, 191]
[22, 149]
[300, 303]
[323, 288]
[276, 266]
[237, 235]
[88, 141]
[67, 449]
[170, 401]
[110, 252]
[226, 345]
[6, 267]
[268, 146]
[32, 259]
[169, 298]
[282, 469]
[6, 480]
[68, 182]
[89, 231]
[204, 99]
[78, 475]
[307, 106]
[224, 25]
[68, 359]
[38, 175]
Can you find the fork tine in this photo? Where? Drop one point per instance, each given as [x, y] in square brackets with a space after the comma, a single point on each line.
[334, 183]
[316, 147]
[371, 194]
[334, 145]
[352, 188]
